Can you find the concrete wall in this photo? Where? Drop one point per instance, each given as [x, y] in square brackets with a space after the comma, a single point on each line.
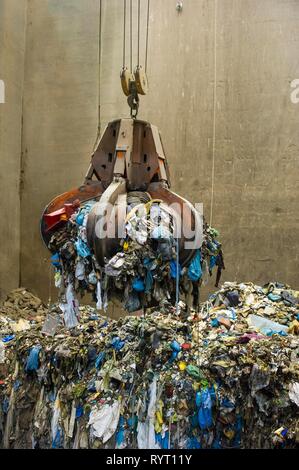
[60, 116]
[12, 48]
[255, 124]
[229, 104]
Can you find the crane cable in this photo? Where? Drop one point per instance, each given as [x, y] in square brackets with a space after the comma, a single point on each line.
[138, 33]
[100, 62]
[131, 36]
[214, 114]
[99, 88]
[124, 42]
[134, 83]
[147, 29]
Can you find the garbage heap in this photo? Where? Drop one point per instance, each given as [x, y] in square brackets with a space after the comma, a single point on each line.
[143, 272]
[21, 304]
[226, 377]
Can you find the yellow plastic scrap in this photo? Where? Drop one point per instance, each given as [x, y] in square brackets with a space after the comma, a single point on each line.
[159, 418]
[223, 363]
[158, 427]
[93, 397]
[182, 365]
[294, 328]
[125, 246]
[229, 433]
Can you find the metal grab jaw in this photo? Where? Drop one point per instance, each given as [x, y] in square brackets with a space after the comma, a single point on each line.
[129, 158]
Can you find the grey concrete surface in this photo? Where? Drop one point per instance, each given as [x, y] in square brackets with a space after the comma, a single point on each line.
[12, 50]
[247, 118]
[60, 117]
[256, 154]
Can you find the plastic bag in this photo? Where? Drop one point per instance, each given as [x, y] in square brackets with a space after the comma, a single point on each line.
[99, 296]
[204, 402]
[104, 421]
[82, 248]
[194, 270]
[138, 284]
[173, 269]
[70, 309]
[33, 359]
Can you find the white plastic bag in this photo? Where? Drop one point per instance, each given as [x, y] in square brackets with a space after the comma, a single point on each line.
[104, 421]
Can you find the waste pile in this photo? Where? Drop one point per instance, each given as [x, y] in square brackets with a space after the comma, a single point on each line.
[21, 303]
[142, 273]
[18, 312]
[226, 376]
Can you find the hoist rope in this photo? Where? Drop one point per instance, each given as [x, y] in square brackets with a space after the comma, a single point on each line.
[50, 287]
[99, 81]
[124, 44]
[131, 37]
[138, 36]
[214, 113]
[147, 29]
[177, 279]
[100, 67]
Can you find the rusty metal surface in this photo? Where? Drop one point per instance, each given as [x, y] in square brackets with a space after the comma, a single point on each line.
[144, 159]
[84, 193]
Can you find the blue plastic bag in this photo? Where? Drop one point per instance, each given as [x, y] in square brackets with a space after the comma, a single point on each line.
[99, 360]
[173, 357]
[193, 443]
[138, 284]
[80, 218]
[8, 338]
[149, 282]
[79, 412]
[32, 362]
[117, 344]
[133, 302]
[158, 439]
[175, 346]
[165, 441]
[5, 405]
[55, 260]
[204, 403]
[194, 270]
[173, 269]
[133, 422]
[82, 248]
[57, 441]
[213, 260]
[120, 435]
